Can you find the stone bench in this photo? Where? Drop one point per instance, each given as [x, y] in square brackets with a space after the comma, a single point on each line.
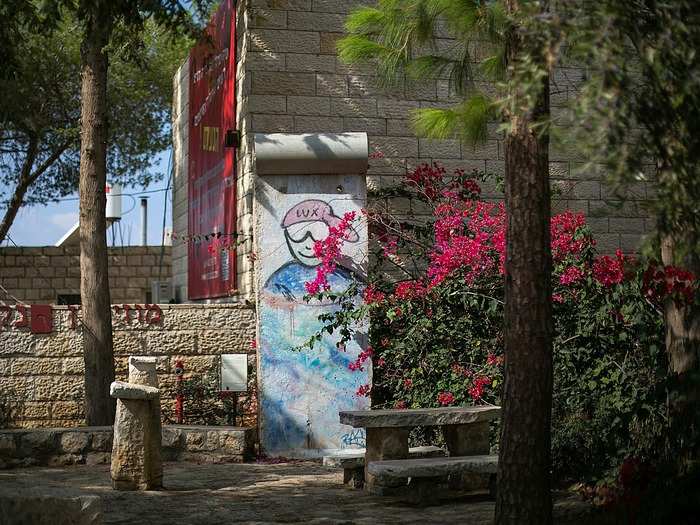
[353, 463]
[465, 429]
[425, 474]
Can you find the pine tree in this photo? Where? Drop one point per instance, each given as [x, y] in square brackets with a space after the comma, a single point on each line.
[397, 36]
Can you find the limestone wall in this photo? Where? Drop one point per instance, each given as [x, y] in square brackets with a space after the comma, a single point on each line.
[41, 274]
[43, 373]
[93, 445]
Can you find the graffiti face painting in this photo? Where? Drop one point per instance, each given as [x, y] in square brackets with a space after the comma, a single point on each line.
[303, 391]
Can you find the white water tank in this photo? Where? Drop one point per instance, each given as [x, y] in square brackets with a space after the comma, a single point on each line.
[113, 210]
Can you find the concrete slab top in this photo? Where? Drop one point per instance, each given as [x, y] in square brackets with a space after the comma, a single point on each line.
[431, 467]
[311, 153]
[419, 417]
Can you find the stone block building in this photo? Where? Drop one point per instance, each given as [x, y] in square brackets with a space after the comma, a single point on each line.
[51, 274]
[289, 79]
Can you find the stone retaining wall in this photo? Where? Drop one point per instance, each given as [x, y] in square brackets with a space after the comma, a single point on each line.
[41, 375]
[93, 445]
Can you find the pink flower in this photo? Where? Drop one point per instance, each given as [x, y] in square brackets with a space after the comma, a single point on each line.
[328, 251]
[401, 405]
[571, 275]
[446, 398]
[409, 290]
[567, 235]
[408, 383]
[372, 296]
[669, 281]
[364, 355]
[471, 186]
[477, 389]
[608, 271]
[363, 391]
[557, 298]
[253, 344]
[494, 360]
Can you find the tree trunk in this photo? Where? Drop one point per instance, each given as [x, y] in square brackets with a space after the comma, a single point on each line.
[682, 321]
[94, 284]
[683, 350]
[524, 479]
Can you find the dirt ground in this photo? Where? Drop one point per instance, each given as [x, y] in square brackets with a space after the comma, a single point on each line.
[257, 493]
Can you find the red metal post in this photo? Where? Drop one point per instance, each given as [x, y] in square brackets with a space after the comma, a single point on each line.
[179, 412]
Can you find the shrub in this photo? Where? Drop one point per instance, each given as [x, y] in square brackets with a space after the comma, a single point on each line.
[435, 301]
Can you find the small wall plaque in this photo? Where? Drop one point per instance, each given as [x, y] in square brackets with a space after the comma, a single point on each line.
[234, 372]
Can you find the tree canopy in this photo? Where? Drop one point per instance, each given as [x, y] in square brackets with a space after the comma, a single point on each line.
[40, 113]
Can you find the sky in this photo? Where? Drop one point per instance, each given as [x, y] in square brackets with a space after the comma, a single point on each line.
[45, 225]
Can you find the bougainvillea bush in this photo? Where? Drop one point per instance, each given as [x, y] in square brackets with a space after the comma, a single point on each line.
[435, 302]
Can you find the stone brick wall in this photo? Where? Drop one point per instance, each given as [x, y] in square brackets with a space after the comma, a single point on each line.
[43, 374]
[41, 274]
[93, 445]
[295, 83]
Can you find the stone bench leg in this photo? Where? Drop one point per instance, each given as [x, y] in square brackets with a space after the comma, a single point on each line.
[468, 440]
[384, 443]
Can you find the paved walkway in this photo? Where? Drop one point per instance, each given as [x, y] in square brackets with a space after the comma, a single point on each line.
[255, 493]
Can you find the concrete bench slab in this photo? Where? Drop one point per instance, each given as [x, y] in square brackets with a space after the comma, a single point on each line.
[356, 458]
[419, 417]
[390, 471]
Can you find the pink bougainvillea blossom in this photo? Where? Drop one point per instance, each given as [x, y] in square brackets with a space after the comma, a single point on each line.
[363, 391]
[571, 275]
[494, 360]
[446, 398]
[608, 271]
[477, 389]
[401, 405]
[469, 236]
[408, 383]
[567, 237]
[359, 362]
[328, 251]
[669, 281]
[373, 296]
[409, 290]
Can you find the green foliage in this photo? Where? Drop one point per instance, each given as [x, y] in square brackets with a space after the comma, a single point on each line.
[609, 380]
[468, 120]
[42, 104]
[639, 108]
[400, 38]
[204, 403]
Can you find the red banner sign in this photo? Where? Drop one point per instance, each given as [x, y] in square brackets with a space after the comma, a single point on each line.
[212, 165]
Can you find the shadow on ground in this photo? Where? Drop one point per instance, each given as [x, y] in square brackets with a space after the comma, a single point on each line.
[299, 492]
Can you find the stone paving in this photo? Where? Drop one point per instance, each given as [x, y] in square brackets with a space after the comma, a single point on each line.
[255, 493]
